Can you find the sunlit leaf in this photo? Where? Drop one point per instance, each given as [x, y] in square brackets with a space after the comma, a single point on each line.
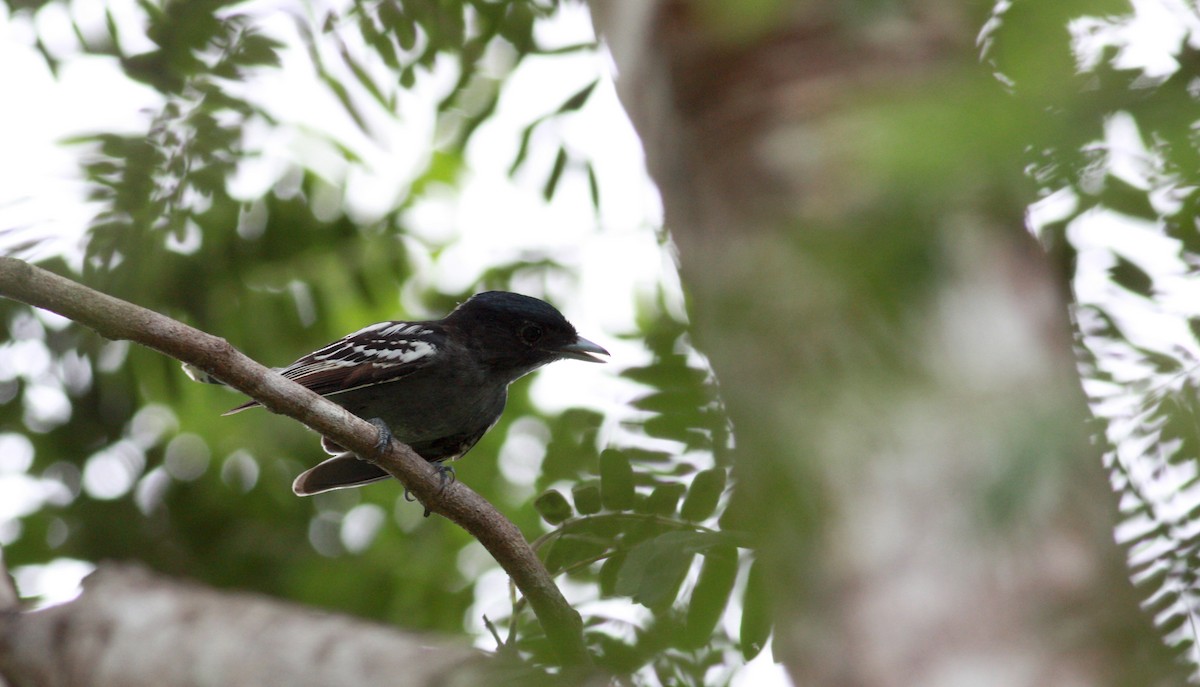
[577, 100]
[587, 498]
[616, 480]
[655, 568]
[609, 571]
[615, 655]
[570, 549]
[756, 612]
[664, 499]
[553, 507]
[703, 494]
[560, 164]
[711, 594]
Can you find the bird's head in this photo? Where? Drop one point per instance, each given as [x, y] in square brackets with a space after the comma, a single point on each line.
[519, 333]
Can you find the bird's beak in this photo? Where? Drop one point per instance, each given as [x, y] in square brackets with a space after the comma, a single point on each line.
[582, 349]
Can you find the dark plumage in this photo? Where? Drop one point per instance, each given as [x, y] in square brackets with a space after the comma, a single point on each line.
[438, 385]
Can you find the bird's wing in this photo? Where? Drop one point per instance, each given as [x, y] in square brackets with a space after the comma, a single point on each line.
[380, 353]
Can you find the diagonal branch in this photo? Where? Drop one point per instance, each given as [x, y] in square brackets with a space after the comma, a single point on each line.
[114, 318]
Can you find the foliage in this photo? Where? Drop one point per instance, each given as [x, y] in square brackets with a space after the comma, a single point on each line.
[128, 460]
[1118, 169]
[639, 530]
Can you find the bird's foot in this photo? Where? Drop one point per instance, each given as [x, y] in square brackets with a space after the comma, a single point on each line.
[385, 435]
[445, 475]
[410, 498]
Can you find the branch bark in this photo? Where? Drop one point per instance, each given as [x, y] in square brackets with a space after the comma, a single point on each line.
[114, 318]
[131, 627]
[8, 589]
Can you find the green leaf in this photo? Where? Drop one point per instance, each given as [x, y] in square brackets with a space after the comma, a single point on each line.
[616, 480]
[568, 49]
[593, 186]
[393, 18]
[1131, 276]
[1120, 196]
[703, 495]
[257, 49]
[380, 41]
[360, 73]
[609, 570]
[560, 164]
[667, 376]
[343, 95]
[655, 568]
[685, 428]
[576, 101]
[552, 506]
[587, 498]
[110, 23]
[615, 655]
[641, 529]
[689, 398]
[568, 550]
[523, 148]
[664, 499]
[711, 594]
[756, 612]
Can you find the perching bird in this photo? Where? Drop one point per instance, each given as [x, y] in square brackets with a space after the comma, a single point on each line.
[437, 386]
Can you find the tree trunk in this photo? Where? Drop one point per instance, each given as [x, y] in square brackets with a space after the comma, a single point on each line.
[892, 345]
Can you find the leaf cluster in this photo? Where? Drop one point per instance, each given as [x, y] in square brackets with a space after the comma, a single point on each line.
[1120, 142]
[641, 538]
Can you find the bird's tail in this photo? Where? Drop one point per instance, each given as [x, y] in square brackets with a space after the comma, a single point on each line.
[339, 472]
[201, 376]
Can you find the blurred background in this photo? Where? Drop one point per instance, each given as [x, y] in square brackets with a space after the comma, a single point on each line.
[952, 209]
[281, 174]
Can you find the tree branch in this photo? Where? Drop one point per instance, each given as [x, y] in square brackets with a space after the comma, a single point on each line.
[132, 627]
[9, 601]
[114, 318]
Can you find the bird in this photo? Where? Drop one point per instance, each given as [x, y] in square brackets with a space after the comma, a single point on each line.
[436, 385]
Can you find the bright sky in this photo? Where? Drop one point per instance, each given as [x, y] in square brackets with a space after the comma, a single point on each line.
[616, 250]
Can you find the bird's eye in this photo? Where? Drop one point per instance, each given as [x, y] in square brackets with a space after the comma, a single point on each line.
[531, 334]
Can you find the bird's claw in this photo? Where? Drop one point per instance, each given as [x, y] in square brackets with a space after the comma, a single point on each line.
[385, 435]
[446, 477]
